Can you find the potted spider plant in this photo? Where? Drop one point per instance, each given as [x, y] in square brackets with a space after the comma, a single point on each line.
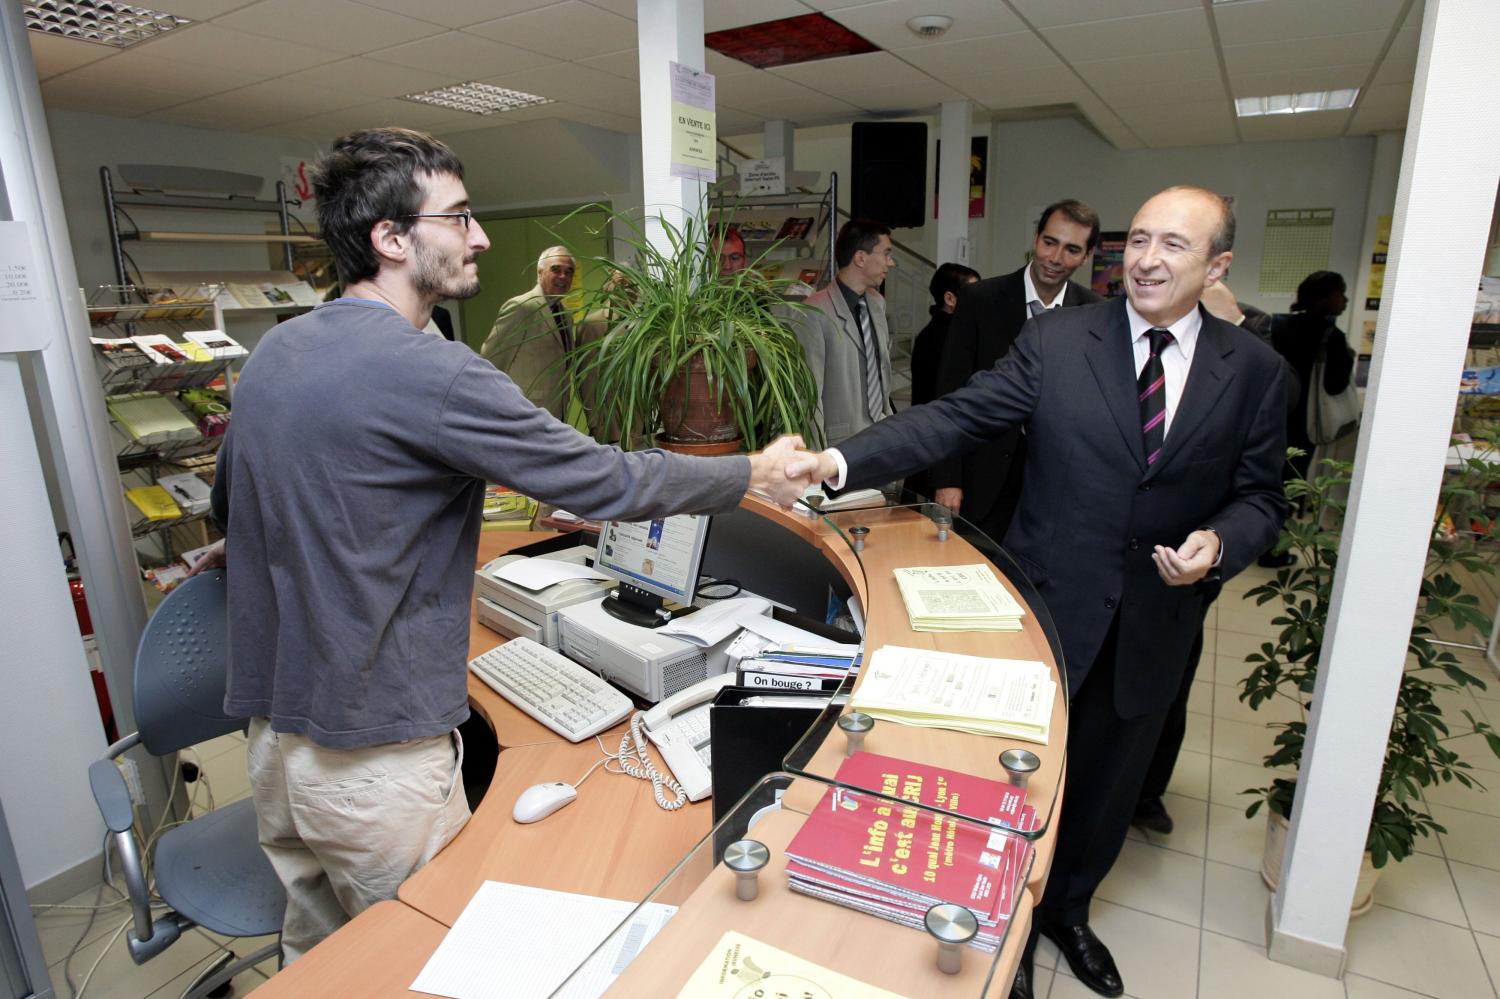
[1418, 749]
[696, 359]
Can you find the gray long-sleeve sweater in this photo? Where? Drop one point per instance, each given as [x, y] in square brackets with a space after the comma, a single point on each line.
[350, 485]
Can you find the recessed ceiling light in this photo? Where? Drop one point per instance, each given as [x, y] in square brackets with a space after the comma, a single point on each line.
[477, 98]
[103, 22]
[1316, 100]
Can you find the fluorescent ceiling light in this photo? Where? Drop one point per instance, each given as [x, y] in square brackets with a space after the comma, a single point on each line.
[1317, 100]
[104, 22]
[477, 98]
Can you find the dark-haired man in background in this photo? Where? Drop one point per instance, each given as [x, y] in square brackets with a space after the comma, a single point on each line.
[350, 486]
[844, 334]
[985, 485]
[927, 350]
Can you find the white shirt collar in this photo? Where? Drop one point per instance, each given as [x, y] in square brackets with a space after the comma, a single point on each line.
[1033, 296]
[1184, 331]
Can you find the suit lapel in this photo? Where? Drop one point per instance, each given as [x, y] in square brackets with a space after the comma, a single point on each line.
[1113, 365]
[845, 317]
[1207, 381]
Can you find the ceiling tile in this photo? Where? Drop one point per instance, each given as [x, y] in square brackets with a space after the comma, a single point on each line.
[457, 13]
[759, 87]
[1141, 93]
[54, 55]
[1400, 63]
[1051, 13]
[625, 64]
[1144, 71]
[569, 29]
[1298, 81]
[329, 125]
[970, 65]
[801, 110]
[1331, 50]
[1014, 98]
[719, 15]
[214, 113]
[124, 101]
[1190, 113]
[721, 65]
[913, 98]
[1370, 120]
[625, 8]
[1294, 127]
[1290, 20]
[560, 81]
[286, 100]
[624, 101]
[463, 55]
[1147, 34]
[1387, 101]
[1169, 134]
[212, 45]
[849, 76]
[603, 119]
[831, 5]
[200, 10]
[1414, 18]
[885, 23]
[334, 25]
[369, 78]
[139, 68]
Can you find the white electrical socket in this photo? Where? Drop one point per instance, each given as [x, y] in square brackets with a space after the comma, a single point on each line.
[132, 774]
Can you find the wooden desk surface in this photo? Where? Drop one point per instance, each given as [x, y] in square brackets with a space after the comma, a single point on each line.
[613, 841]
[376, 955]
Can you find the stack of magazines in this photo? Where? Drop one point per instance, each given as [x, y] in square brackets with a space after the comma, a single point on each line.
[958, 598]
[867, 853]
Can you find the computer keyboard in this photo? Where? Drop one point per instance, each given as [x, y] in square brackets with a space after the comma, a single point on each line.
[551, 688]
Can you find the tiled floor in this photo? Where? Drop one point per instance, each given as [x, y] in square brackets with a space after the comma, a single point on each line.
[1184, 914]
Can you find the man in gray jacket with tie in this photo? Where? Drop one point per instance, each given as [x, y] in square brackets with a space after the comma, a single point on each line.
[844, 333]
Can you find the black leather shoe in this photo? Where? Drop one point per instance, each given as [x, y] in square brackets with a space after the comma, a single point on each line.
[1087, 956]
[1021, 987]
[1151, 815]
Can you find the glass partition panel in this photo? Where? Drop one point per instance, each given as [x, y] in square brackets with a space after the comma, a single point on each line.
[812, 883]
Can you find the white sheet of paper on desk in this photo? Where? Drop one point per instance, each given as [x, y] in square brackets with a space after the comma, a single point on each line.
[712, 624]
[540, 573]
[790, 636]
[518, 942]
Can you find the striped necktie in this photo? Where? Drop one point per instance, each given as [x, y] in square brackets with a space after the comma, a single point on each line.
[874, 392]
[1151, 387]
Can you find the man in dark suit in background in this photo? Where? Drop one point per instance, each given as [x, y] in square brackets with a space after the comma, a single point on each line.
[1157, 435]
[927, 350]
[985, 485]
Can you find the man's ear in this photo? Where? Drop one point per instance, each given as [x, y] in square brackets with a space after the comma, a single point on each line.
[388, 243]
[950, 301]
[1218, 267]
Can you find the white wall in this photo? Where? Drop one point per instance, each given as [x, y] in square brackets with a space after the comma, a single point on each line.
[1033, 163]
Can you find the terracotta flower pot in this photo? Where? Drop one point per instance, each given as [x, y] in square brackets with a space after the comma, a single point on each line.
[1270, 865]
[691, 413]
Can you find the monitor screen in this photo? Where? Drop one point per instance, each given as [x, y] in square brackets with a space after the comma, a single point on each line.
[661, 557]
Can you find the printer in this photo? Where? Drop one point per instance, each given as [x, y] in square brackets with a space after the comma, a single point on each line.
[515, 611]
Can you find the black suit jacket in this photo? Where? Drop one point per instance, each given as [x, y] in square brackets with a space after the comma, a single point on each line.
[985, 323]
[1091, 509]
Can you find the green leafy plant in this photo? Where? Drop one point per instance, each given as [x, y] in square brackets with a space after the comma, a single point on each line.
[666, 309]
[1417, 754]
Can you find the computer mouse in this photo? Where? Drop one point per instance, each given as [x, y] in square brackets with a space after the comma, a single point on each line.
[540, 800]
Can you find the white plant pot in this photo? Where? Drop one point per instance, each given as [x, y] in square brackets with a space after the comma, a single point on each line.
[1270, 866]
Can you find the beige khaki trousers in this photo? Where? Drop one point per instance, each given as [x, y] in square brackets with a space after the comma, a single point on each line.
[344, 827]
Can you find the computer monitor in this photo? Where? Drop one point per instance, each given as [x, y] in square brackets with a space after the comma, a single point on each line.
[655, 561]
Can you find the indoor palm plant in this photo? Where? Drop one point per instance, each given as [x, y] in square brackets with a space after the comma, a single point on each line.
[678, 339]
[1418, 754]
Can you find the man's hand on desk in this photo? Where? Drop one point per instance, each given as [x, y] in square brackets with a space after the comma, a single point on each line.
[771, 474]
[949, 497]
[1191, 562]
[211, 559]
[811, 468]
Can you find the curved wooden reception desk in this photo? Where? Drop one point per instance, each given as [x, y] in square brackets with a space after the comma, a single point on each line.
[614, 841]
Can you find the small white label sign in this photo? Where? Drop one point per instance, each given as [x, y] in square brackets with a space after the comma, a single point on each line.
[22, 318]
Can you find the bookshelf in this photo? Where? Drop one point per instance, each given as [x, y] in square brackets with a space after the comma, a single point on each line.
[786, 235]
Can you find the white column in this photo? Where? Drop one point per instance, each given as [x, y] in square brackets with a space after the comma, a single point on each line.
[1385, 172]
[780, 140]
[669, 31]
[1449, 170]
[953, 184]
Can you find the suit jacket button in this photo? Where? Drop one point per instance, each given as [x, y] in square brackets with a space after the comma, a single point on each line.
[1135, 543]
[1109, 602]
[1144, 487]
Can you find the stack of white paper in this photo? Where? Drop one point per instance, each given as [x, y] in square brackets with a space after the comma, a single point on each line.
[1004, 697]
[957, 598]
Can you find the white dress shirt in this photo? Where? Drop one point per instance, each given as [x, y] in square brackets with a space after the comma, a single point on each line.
[1032, 295]
[1175, 360]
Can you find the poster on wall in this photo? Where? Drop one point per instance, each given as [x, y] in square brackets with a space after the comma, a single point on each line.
[1377, 263]
[979, 159]
[296, 173]
[1109, 265]
[1297, 243]
[694, 129]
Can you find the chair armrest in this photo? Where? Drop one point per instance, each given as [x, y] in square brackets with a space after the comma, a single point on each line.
[111, 795]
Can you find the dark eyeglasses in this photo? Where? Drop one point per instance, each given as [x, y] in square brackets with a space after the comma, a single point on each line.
[465, 215]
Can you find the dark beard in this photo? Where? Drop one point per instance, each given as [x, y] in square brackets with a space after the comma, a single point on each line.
[437, 278]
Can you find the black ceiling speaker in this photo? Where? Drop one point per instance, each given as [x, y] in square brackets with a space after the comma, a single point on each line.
[889, 172]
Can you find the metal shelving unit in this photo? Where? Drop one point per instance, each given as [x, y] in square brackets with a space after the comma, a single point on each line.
[761, 219]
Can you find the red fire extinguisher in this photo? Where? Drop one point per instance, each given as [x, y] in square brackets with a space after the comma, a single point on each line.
[86, 629]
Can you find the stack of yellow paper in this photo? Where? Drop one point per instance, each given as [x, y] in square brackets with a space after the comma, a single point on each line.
[957, 598]
[930, 689]
[155, 502]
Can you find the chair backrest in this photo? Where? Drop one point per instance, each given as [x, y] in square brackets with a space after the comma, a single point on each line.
[181, 667]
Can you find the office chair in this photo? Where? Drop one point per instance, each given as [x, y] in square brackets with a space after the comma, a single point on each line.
[210, 871]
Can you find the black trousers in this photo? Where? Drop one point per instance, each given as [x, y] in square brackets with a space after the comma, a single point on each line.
[1107, 761]
[1174, 727]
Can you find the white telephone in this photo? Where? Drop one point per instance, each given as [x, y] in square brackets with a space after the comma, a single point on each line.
[679, 728]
